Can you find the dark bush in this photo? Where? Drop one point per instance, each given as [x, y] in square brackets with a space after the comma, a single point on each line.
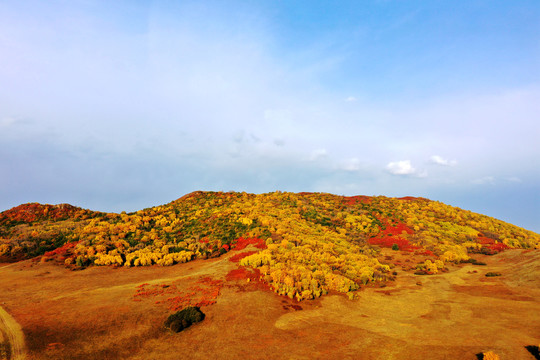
[184, 318]
[177, 326]
[492, 274]
[473, 261]
[395, 247]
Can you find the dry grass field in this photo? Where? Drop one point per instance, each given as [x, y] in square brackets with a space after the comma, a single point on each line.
[117, 313]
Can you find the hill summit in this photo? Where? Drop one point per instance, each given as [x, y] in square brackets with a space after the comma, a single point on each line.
[303, 245]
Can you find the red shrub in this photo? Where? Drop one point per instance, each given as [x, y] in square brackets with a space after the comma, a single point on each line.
[359, 199]
[62, 250]
[240, 256]
[241, 243]
[392, 235]
[175, 299]
[497, 247]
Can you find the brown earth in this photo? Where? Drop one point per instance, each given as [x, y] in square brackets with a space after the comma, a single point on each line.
[97, 314]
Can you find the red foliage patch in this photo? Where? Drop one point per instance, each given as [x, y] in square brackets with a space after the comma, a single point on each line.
[238, 274]
[34, 211]
[491, 244]
[358, 199]
[240, 256]
[485, 240]
[209, 281]
[498, 247]
[408, 198]
[241, 243]
[203, 293]
[62, 250]
[391, 240]
[398, 229]
[392, 235]
[254, 276]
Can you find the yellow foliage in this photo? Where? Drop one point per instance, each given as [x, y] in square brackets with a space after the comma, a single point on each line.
[490, 355]
[107, 259]
[100, 248]
[431, 266]
[455, 253]
[5, 249]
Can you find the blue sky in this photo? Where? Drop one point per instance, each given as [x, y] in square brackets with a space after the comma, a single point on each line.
[124, 105]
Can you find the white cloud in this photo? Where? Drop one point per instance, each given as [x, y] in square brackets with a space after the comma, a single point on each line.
[486, 180]
[403, 167]
[318, 154]
[514, 179]
[7, 122]
[351, 99]
[436, 159]
[352, 164]
[422, 174]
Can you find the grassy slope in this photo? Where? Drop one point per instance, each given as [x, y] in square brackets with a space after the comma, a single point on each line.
[99, 313]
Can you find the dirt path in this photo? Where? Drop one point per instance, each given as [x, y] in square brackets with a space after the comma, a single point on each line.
[14, 334]
[2, 266]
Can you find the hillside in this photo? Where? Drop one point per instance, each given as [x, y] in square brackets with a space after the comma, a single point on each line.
[279, 275]
[306, 244]
[32, 229]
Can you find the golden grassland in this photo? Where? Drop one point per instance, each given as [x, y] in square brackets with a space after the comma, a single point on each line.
[102, 313]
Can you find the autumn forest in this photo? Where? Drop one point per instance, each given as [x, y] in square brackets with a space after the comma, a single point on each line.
[302, 245]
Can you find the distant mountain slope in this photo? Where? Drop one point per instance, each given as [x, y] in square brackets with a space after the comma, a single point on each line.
[304, 245]
[32, 229]
[33, 212]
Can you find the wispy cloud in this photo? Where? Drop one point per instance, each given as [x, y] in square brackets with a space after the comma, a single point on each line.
[492, 180]
[514, 179]
[436, 159]
[486, 180]
[279, 142]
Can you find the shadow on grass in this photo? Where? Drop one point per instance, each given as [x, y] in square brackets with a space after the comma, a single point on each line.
[534, 350]
[70, 342]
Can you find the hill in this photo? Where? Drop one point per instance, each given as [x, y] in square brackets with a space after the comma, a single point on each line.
[279, 275]
[308, 244]
[30, 230]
